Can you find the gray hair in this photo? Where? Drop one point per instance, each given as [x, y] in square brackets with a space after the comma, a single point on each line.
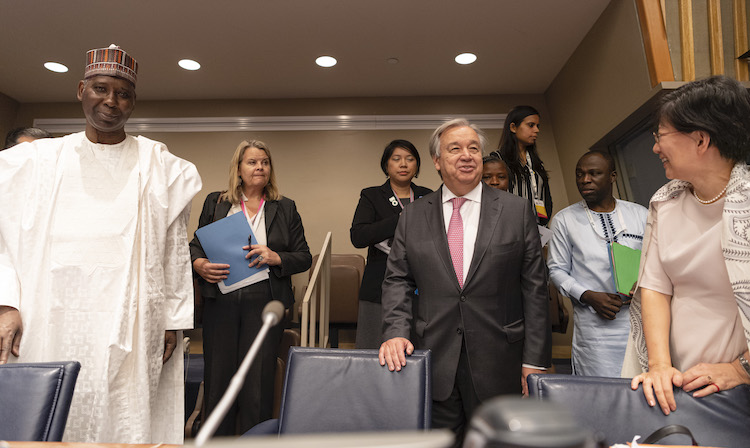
[12, 138]
[454, 123]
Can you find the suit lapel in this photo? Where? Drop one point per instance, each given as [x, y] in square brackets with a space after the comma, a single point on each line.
[489, 217]
[390, 198]
[436, 227]
[221, 210]
[271, 208]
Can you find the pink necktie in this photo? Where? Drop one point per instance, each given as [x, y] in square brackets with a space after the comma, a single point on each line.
[456, 239]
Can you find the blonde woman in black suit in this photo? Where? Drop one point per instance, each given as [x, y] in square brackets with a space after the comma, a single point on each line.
[373, 227]
[231, 321]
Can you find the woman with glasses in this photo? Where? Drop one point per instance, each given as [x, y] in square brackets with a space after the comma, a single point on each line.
[689, 316]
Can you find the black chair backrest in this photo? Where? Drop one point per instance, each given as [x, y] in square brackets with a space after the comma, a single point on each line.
[610, 408]
[333, 390]
[35, 400]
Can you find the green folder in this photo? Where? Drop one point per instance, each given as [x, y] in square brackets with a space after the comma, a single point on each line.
[625, 263]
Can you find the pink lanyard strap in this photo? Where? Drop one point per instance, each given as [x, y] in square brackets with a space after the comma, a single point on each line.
[244, 210]
[411, 197]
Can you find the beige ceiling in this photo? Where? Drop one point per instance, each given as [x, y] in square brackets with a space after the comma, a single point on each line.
[266, 49]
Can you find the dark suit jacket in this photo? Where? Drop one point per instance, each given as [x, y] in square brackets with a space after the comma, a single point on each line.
[374, 221]
[501, 313]
[284, 234]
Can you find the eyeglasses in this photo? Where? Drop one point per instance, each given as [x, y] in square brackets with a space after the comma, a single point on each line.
[658, 135]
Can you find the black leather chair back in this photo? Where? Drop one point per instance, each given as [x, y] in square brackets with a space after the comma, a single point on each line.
[610, 408]
[35, 400]
[334, 390]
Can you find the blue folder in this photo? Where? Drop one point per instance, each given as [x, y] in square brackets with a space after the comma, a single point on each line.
[222, 242]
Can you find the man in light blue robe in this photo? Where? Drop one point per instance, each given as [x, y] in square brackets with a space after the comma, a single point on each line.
[580, 267]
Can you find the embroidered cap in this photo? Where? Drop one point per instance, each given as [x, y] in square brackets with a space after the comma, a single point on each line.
[112, 61]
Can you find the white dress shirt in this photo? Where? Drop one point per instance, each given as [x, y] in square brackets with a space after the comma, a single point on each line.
[470, 217]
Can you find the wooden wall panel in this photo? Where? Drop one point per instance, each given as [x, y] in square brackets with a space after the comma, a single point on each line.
[655, 43]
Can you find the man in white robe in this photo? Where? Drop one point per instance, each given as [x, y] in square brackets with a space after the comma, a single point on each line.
[95, 266]
[579, 265]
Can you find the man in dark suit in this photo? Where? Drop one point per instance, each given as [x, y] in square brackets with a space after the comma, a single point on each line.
[474, 255]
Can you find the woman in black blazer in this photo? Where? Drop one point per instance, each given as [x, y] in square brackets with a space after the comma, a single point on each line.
[374, 225]
[232, 320]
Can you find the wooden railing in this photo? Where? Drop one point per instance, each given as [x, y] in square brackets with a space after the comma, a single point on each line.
[317, 298]
[653, 19]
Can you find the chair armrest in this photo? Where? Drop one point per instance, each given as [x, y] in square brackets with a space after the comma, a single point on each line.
[265, 428]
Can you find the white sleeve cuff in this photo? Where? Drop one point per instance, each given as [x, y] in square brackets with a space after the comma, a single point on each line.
[529, 366]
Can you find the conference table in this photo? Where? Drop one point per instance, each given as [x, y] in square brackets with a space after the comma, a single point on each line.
[431, 439]
[6, 444]
[400, 439]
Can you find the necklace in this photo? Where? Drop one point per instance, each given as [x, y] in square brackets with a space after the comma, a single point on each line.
[711, 201]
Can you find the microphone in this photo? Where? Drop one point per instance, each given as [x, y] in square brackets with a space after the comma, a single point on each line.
[272, 315]
[273, 310]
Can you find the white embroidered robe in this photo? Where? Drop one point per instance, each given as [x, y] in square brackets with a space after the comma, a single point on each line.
[94, 253]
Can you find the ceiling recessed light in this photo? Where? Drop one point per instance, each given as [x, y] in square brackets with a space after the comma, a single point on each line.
[55, 67]
[326, 61]
[466, 58]
[189, 64]
[392, 60]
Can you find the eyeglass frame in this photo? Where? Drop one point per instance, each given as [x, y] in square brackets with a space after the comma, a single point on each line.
[658, 135]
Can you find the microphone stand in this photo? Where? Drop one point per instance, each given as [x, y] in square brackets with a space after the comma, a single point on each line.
[271, 316]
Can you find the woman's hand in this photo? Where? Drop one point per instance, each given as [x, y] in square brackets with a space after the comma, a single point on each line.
[713, 378]
[211, 272]
[265, 256]
[661, 376]
[659, 381]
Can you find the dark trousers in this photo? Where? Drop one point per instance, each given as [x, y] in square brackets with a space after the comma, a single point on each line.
[455, 412]
[230, 325]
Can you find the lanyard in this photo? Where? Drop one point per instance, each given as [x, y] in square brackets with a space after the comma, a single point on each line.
[532, 176]
[605, 237]
[411, 198]
[254, 220]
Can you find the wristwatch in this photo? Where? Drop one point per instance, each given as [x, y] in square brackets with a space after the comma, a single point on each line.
[745, 365]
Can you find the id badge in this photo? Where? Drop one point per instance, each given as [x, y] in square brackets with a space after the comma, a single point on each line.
[541, 211]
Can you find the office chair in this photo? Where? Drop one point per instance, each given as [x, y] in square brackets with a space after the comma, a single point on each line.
[334, 390]
[290, 338]
[35, 400]
[195, 407]
[513, 422]
[611, 409]
[346, 278]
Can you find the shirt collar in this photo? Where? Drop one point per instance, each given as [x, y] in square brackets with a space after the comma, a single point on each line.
[474, 195]
[586, 206]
